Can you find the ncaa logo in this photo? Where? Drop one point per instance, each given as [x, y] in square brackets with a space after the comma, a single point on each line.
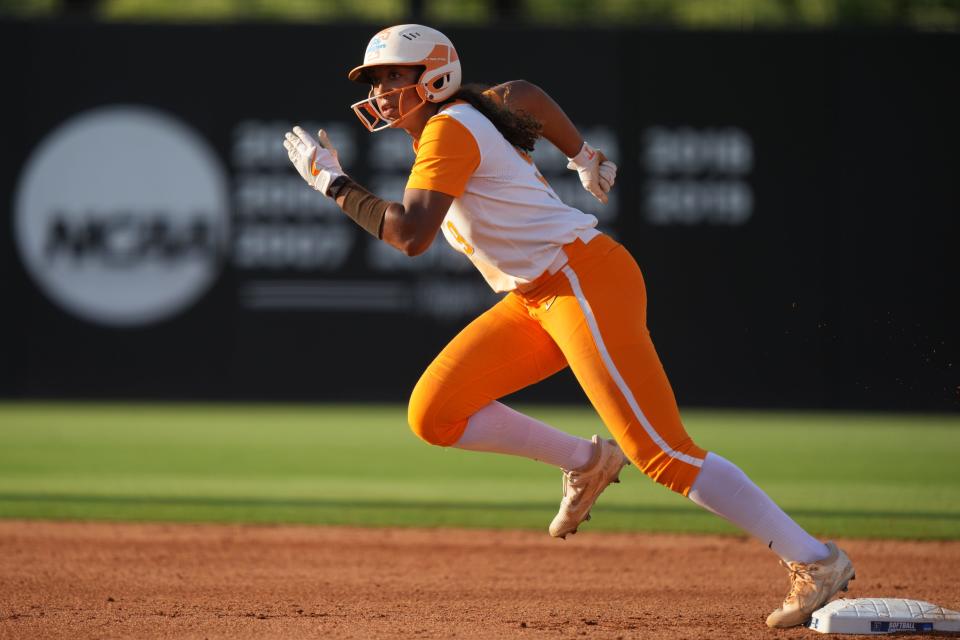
[121, 216]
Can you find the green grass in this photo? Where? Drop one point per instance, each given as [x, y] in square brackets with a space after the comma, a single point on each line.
[886, 476]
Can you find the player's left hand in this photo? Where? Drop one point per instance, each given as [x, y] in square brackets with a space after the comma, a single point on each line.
[597, 174]
[317, 162]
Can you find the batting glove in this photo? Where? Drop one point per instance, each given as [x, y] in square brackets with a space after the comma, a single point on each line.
[597, 174]
[317, 162]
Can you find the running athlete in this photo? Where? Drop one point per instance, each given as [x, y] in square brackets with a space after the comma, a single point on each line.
[574, 297]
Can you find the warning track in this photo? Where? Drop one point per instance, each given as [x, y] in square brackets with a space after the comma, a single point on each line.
[105, 580]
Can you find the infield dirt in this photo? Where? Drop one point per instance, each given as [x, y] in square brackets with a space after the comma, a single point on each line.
[105, 580]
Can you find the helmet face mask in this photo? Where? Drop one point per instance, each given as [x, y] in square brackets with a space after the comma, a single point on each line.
[373, 117]
[408, 45]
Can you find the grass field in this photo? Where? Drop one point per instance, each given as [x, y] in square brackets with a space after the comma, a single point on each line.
[883, 476]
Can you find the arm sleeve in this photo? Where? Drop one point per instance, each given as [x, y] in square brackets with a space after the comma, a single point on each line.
[447, 155]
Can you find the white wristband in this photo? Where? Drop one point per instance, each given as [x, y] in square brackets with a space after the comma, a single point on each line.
[584, 157]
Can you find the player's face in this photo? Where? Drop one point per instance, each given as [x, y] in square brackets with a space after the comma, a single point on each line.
[385, 79]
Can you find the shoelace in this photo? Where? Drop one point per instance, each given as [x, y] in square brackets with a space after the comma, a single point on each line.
[571, 479]
[801, 579]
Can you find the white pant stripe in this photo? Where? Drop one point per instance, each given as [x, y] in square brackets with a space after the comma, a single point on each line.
[615, 374]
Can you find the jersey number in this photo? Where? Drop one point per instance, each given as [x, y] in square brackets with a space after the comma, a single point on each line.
[467, 248]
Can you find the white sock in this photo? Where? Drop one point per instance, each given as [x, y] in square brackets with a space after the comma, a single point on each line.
[725, 490]
[499, 429]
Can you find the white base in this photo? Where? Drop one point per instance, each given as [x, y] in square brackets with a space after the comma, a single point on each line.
[884, 615]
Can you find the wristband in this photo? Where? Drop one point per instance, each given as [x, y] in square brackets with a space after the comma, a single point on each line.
[584, 157]
[334, 189]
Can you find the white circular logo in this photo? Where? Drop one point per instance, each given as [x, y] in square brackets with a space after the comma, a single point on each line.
[121, 216]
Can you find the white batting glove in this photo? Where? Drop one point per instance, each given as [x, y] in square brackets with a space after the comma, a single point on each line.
[317, 162]
[597, 174]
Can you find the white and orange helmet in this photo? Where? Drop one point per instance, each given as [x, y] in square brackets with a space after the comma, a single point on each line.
[409, 45]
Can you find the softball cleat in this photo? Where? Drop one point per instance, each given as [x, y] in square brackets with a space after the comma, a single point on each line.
[812, 585]
[582, 487]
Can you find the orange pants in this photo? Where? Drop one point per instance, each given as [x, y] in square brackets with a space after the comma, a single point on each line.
[590, 315]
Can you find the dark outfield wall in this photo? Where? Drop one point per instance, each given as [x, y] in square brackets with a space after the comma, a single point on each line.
[792, 199]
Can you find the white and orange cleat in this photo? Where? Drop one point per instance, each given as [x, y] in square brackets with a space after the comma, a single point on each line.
[582, 487]
[811, 586]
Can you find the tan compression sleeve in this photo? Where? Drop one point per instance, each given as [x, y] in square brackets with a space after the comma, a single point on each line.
[361, 206]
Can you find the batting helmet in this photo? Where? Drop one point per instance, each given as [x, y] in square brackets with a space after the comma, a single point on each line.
[409, 45]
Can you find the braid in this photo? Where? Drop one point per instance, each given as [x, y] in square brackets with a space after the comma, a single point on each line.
[518, 127]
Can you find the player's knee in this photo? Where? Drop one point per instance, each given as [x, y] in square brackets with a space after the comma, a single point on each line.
[419, 419]
[426, 415]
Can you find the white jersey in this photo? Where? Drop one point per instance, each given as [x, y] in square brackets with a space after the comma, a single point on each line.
[505, 218]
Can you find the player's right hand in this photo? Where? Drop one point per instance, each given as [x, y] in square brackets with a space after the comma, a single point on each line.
[597, 174]
[316, 162]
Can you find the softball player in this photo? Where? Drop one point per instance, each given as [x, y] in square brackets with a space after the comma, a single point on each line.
[574, 297]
